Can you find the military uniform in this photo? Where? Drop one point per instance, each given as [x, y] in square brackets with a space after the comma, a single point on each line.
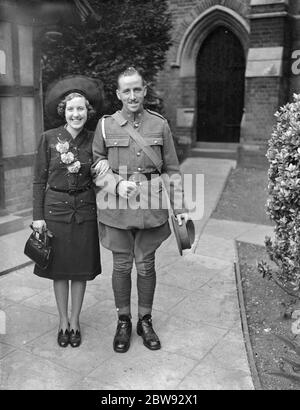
[135, 232]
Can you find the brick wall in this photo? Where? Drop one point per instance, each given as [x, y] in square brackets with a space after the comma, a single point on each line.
[266, 32]
[261, 102]
[181, 92]
[263, 95]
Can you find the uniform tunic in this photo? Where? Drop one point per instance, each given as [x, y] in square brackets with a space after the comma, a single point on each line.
[123, 152]
[70, 216]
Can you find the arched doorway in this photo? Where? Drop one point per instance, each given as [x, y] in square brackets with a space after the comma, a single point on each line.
[220, 87]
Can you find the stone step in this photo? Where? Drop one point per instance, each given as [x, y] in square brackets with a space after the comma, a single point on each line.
[217, 145]
[25, 213]
[15, 222]
[214, 153]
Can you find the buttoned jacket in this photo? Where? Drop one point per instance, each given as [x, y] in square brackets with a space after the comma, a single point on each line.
[125, 156]
[51, 172]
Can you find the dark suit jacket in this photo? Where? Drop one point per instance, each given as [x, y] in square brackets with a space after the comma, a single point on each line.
[50, 171]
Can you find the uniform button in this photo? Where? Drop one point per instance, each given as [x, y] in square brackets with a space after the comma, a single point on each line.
[139, 169]
[115, 143]
[136, 125]
[66, 202]
[81, 200]
[138, 154]
[50, 212]
[155, 142]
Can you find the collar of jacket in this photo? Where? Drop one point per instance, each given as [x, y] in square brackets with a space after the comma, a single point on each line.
[65, 135]
[132, 117]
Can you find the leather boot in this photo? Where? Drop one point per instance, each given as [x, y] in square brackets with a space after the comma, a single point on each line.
[123, 333]
[144, 328]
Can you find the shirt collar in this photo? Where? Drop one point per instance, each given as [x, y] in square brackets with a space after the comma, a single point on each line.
[133, 117]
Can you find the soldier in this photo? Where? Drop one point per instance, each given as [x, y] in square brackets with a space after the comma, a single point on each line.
[135, 232]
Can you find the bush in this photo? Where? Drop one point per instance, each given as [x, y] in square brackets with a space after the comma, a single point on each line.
[283, 204]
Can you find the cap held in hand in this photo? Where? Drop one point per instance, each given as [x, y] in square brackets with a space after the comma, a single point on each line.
[184, 234]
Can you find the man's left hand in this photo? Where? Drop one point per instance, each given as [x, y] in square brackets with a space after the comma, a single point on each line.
[184, 216]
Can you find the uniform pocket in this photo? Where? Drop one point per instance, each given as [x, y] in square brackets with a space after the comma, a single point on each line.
[117, 151]
[156, 143]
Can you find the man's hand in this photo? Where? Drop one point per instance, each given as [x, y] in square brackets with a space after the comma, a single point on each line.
[182, 216]
[126, 189]
[39, 225]
[101, 167]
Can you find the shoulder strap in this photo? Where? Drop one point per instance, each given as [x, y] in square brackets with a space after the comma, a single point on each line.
[102, 126]
[155, 113]
[136, 136]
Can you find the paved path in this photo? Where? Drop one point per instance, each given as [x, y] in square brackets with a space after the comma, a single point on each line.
[196, 315]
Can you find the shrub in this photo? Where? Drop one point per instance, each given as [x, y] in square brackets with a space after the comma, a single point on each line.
[283, 204]
[130, 32]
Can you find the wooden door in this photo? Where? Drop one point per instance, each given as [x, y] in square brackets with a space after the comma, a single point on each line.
[220, 87]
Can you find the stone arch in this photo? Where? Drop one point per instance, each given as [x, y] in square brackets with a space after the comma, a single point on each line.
[200, 28]
[238, 6]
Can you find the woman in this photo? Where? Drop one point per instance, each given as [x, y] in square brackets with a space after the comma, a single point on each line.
[64, 199]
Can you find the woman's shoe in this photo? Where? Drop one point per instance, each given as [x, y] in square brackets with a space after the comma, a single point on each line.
[63, 338]
[75, 338]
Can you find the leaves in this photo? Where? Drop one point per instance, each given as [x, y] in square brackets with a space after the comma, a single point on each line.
[283, 204]
[289, 343]
[291, 377]
[130, 32]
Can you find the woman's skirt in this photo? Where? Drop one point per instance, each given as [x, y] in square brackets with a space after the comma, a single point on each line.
[76, 251]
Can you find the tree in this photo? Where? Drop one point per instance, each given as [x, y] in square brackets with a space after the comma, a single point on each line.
[130, 32]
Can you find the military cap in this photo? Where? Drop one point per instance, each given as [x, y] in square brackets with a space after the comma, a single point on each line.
[184, 234]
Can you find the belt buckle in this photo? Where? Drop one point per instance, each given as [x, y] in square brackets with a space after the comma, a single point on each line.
[72, 191]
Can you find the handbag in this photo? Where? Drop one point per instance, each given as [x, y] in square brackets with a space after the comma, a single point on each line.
[184, 233]
[38, 248]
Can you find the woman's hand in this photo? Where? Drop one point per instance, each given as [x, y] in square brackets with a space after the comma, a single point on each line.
[39, 225]
[102, 167]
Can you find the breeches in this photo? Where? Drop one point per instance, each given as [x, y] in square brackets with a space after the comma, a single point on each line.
[137, 245]
[121, 279]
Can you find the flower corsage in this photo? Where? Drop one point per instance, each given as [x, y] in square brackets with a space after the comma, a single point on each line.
[67, 157]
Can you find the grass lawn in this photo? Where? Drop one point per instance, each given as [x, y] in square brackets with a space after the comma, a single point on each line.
[244, 197]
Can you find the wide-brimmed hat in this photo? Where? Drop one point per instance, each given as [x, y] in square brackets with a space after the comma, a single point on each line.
[91, 88]
[184, 234]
